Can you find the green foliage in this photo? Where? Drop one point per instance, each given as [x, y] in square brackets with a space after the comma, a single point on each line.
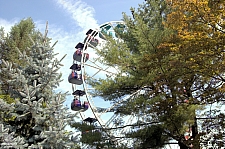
[82, 126]
[150, 136]
[17, 38]
[9, 140]
[177, 65]
[7, 99]
[5, 115]
[90, 134]
[171, 56]
[37, 114]
[91, 137]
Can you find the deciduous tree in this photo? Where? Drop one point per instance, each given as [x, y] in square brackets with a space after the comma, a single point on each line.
[174, 52]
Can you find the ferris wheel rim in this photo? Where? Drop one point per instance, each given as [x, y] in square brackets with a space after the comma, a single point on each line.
[110, 22]
[92, 106]
[91, 103]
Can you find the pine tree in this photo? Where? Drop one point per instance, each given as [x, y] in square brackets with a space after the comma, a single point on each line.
[9, 141]
[91, 135]
[37, 117]
[146, 65]
[174, 52]
[16, 38]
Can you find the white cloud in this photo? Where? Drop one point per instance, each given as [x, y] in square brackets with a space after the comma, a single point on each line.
[7, 24]
[80, 12]
[83, 16]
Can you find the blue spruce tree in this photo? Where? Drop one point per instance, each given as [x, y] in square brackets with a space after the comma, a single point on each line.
[36, 118]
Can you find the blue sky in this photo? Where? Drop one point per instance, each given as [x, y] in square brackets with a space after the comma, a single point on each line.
[66, 14]
[68, 22]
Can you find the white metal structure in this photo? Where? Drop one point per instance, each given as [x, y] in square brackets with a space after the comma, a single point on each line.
[91, 66]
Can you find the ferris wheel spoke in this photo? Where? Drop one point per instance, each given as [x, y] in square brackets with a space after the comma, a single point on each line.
[129, 122]
[91, 66]
[100, 68]
[122, 100]
[110, 120]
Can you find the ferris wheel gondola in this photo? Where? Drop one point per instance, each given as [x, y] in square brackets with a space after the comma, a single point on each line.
[86, 64]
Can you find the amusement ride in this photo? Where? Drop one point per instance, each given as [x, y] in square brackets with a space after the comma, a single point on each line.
[87, 65]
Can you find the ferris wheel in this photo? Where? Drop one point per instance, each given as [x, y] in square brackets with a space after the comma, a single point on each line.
[87, 65]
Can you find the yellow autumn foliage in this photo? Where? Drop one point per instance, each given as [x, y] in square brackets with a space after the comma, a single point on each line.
[199, 33]
[8, 100]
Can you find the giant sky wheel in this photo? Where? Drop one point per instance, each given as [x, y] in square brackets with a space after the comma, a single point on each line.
[87, 65]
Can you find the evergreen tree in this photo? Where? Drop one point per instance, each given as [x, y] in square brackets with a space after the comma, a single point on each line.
[16, 38]
[164, 62]
[91, 136]
[9, 141]
[36, 118]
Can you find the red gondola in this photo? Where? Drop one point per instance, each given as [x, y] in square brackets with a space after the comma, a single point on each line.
[76, 105]
[74, 78]
[78, 55]
[78, 52]
[86, 105]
